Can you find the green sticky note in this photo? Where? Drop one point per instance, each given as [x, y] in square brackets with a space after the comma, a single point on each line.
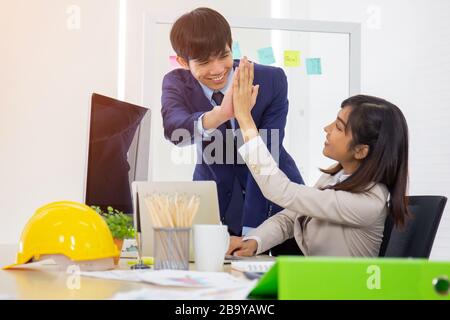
[236, 49]
[313, 66]
[266, 56]
[292, 58]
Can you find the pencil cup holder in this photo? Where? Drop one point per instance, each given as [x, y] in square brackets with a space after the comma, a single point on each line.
[171, 248]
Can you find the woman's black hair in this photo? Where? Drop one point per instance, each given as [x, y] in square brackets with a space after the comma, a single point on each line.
[381, 126]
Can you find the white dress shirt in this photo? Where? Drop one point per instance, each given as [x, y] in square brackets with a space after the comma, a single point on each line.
[206, 133]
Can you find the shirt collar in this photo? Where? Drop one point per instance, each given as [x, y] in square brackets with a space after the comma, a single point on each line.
[209, 92]
[340, 176]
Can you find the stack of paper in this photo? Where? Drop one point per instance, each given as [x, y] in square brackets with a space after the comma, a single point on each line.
[235, 293]
[203, 285]
[173, 278]
[252, 266]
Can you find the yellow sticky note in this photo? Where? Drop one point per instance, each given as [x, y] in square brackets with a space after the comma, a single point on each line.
[292, 58]
[145, 260]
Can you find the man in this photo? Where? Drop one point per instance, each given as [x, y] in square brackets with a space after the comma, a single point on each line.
[198, 99]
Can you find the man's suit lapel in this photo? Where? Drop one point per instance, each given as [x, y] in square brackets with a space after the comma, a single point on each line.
[201, 103]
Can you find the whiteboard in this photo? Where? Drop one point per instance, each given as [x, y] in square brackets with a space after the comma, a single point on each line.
[314, 100]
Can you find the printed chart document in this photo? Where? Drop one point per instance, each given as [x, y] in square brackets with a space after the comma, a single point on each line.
[174, 278]
[207, 285]
[252, 266]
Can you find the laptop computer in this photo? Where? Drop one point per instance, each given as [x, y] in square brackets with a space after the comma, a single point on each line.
[208, 211]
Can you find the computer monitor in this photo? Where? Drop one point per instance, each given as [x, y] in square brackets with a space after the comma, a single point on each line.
[118, 152]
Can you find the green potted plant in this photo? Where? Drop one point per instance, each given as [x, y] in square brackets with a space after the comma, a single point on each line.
[120, 224]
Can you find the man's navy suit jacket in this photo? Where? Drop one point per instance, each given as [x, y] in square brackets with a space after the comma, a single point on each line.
[183, 102]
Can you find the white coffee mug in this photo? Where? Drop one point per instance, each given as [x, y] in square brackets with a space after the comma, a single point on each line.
[210, 244]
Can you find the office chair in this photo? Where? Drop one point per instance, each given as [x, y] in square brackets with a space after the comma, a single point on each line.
[416, 239]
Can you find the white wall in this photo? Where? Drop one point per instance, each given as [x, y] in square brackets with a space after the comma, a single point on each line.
[407, 61]
[48, 72]
[47, 75]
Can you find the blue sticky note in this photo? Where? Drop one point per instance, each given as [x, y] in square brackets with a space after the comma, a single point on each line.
[313, 66]
[236, 49]
[266, 56]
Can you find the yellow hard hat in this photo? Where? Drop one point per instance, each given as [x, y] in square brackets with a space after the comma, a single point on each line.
[68, 228]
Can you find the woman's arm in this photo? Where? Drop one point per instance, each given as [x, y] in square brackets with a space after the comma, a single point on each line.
[342, 207]
[275, 230]
[272, 232]
[354, 209]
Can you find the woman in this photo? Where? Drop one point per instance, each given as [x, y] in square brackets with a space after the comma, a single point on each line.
[345, 212]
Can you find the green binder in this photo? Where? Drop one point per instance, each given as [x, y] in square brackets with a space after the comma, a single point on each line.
[306, 278]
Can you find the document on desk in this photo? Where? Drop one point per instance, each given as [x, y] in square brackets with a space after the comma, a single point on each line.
[252, 266]
[7, 297]
[231, 293]
[201, 285]
[172, 278]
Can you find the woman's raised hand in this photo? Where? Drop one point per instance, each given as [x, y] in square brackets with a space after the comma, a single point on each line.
[244, 92]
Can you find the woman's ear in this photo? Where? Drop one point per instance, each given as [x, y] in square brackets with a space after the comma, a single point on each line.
[361, 151]
[183, 63]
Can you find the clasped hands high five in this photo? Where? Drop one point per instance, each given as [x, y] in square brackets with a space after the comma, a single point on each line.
[239, 99]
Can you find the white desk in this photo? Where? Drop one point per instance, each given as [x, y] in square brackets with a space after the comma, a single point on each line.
[34, 284]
